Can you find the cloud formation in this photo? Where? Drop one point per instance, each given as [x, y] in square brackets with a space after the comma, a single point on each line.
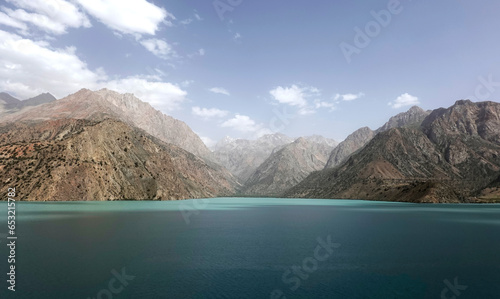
[159, 48]
[207, 113]
[53, 16]
[220, 90]
[404, 100]
[28, 68]
[130, 17]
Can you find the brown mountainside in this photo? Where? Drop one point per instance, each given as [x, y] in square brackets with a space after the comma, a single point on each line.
[75, 159]
[452, 157]
[98, 105]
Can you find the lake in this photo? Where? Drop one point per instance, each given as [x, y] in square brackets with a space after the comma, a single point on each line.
[253, 248]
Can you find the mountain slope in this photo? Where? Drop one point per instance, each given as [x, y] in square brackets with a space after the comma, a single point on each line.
[242, 157]
[453, 156]
[98, 105]
[288, 166]
[70, 159]
[413, 117]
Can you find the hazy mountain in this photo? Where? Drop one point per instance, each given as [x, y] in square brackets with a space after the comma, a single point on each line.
[413, 117]
[242, 157]
[454, 155]
[9, 104]
[98, 105]
[70, 159]
[6, 98]
[288, 166]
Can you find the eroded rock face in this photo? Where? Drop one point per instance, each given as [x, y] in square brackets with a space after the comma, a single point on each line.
[98, 105]
[242, 157]
[288, 166]
[452, 157]
[357, 140]
[76, 159]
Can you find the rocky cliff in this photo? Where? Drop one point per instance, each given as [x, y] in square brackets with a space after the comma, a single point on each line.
[98, 105]
[80, 159]
[413, 117]
[289, 166]
[242, 157]
[454, 156]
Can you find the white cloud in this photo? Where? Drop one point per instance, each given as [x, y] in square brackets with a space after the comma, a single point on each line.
[241, 123]
[349, 96]
[159, 48]
[162, 95]
[404, 100]
[219, 90]
[7, 20]
[322, 104]
[187, 21]
[28, 68]
[206, 113]
[237, 37]
[61, 12]
[42, 21]
[201, 52]
[294, 95]
[130, 16]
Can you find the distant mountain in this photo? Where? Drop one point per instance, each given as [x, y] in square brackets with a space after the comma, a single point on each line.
[106, 159]
[98, 105]
[413, 117]
[351, 144]
[39, 99]
[242, 157]
[453, 156]
[289, 166]
[9, 104]
[6, 98]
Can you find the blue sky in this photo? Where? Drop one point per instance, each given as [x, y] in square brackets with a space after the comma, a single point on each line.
[245, 68]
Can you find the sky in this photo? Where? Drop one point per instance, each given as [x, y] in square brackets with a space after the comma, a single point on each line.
[244, 68]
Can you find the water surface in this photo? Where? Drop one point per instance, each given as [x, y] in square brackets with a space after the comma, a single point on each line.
[242, 247]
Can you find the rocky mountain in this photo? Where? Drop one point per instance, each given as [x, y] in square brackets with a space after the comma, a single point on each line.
[413, 117]
[453, 156]
[9, 104]
[289, 166]
[104, 159]
[98, 105]
[242, 157]
[351, 144]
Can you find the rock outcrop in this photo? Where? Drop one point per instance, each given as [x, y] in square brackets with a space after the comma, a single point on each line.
[107, 159]
[454, 156]
[289, 166]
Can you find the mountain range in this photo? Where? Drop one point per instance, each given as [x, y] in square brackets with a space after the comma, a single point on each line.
[452, 156]
[103, 145]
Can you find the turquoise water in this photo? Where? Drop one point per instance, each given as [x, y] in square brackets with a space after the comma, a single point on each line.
[246, 248]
